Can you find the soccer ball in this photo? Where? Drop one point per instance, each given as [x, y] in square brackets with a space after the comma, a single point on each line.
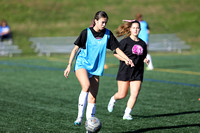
[93, 125]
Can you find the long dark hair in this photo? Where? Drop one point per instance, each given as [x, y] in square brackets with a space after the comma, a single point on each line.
[98, 15]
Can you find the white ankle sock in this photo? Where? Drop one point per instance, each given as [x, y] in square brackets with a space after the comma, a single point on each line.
[82, 103]
[112, 100]
[90, 112]
[127, 111]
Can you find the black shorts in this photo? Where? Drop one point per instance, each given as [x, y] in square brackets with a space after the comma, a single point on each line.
[127, 73]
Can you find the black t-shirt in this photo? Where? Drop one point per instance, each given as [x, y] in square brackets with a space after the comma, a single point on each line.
[81, 40]
[137, 52]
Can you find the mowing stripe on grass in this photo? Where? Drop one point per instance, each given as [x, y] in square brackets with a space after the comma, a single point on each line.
[160, 81]
[57, 60]
[105, 74]
[28, 66]
[155, 69]
[176, 71]
[171, 82]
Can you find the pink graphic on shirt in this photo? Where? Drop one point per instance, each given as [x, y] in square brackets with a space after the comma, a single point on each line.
[137, 49]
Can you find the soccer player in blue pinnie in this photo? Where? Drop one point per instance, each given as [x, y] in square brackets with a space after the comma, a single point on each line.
[90, 61]
[144, 35]
[136, 49]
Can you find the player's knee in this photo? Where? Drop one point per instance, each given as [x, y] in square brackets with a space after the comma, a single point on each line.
[122, 95]
[91, 100]
[85, 87]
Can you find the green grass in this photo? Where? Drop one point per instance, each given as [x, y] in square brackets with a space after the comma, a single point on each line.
[69, 17]
[35, 97]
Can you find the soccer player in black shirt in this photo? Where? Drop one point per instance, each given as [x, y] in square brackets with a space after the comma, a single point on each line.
[136, 49]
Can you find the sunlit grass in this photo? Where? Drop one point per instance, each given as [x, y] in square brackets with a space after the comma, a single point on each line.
[36, 97]
[69, 18]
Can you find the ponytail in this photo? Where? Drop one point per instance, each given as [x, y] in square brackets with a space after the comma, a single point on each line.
[124, 29]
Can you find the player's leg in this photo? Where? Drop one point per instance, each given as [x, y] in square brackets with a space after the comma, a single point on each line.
[93, 91]
[134, 91]
[122, 93]
[82, 77]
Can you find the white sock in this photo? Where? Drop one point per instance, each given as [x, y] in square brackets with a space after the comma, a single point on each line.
[112, 100]
[82, 103]
[90, 110]
[127, 111]
[150, 66]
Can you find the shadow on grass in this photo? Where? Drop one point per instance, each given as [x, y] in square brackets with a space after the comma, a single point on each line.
[166, 127]
[170, 114]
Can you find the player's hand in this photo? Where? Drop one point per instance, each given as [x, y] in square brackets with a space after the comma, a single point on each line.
[131, 63]
[67, 70]
[126, 62]
[146, 61]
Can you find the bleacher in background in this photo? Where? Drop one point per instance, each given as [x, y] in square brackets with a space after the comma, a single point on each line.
[7, 48]
[158, 42]
[166, 42]
[50, 45]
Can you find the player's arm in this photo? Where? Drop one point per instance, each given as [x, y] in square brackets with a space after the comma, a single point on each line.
[7, 31]
[121, 56]
[148, 29]
[68, 69]
[145, 54]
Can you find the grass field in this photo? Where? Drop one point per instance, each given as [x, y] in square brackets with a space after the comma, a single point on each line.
[43, 18]
[35, 97]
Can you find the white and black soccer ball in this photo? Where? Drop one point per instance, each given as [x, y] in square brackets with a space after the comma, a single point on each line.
[93, 125]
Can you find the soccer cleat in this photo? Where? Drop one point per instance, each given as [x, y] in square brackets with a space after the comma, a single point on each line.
[111, 104]
[110, 107]
[78, 121]
[127, 117]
